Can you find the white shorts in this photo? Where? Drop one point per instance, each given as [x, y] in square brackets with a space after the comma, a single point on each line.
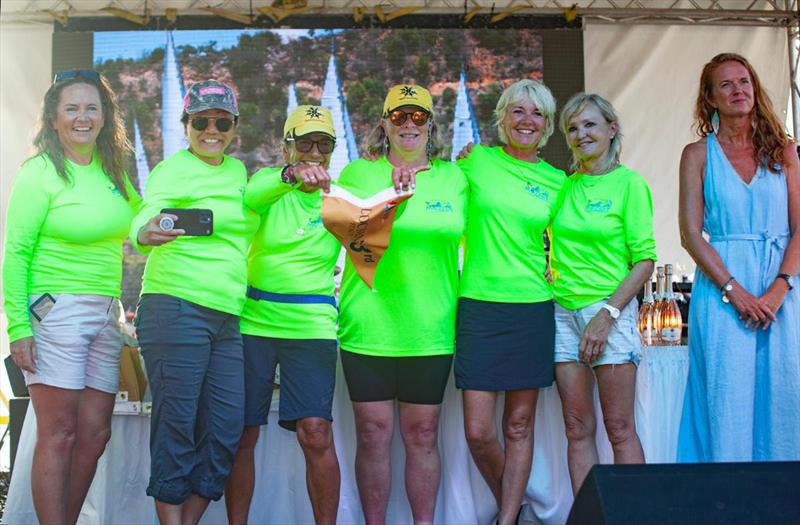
[624, 344]
[78, 343]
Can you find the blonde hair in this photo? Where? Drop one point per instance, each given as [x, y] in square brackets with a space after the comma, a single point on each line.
[526, 91]
[578, 103]
[769, 135]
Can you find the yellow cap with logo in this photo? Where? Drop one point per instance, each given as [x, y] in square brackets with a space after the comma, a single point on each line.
[309, 119]
[407, 95]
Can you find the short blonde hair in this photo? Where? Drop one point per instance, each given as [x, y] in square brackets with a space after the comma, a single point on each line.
[526, 91]
[578, 103]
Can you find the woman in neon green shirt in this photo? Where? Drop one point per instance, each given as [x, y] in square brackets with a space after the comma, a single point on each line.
[289, 319]
[505, 328]
[397, 337]
[602, 252]
[193, 291]
[69, 211]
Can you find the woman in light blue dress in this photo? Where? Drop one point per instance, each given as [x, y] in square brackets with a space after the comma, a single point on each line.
[740, 184]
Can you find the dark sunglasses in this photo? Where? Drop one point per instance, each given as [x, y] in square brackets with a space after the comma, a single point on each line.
[69, 74]
[304, 145]
[223, 124]
[419, 117]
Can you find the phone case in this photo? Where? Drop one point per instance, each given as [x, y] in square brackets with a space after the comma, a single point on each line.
[195, 221]
[42, 306]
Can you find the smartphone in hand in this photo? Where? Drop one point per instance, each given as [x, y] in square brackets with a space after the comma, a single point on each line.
[194, 221]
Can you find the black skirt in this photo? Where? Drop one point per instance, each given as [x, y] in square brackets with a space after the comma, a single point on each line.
[504, 346]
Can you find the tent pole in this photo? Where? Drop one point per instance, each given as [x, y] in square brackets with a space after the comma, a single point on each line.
[793, 38]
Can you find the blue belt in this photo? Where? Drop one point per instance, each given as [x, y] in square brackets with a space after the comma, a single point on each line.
[261, 295]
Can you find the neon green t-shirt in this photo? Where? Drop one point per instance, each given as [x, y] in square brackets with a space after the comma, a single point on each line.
[292, 253]
[511, 204]
[62, 237]
[411, 309]
[604, 227]
[210, 271]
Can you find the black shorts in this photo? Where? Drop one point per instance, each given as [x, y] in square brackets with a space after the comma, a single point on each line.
[418, 380]
[504, 346]
[308, 374]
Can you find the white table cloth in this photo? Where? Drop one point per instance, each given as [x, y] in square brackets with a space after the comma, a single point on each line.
[117, 496]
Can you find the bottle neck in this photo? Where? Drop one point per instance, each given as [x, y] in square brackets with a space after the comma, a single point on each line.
[668, 286]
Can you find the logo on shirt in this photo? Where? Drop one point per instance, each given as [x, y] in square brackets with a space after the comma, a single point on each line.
[537, 192]
[439, 206]
[598, 205]
[115, 190]
[313, 223]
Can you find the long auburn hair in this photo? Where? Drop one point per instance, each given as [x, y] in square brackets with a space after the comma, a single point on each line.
[769, 136]
[113, 147]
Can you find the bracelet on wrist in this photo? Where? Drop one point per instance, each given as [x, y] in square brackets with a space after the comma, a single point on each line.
[287, 175]
[788, 278]
[725, 288]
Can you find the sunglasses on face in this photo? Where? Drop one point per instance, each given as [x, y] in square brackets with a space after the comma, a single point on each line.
[419, 117]
[69, 74]
[222, 124]
[304, 145]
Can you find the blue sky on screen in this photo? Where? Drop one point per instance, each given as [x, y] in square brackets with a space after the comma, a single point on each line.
[135, 44]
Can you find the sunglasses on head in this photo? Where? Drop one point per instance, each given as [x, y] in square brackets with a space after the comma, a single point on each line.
[305, 144]
[69, 74]
[419, 117]
[222, 124]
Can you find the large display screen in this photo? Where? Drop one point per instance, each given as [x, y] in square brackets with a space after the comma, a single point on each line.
[348, 70]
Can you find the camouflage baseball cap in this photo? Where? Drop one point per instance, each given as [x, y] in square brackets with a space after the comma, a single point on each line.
[407, 95]
[210, 94]
[309, 119]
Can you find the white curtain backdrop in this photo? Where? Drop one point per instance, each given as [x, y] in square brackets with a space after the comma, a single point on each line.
[651, 74]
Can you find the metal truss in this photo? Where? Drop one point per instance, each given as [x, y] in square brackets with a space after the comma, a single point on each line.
[782, 13]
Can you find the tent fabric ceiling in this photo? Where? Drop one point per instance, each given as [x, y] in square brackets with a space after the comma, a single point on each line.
[725, 12]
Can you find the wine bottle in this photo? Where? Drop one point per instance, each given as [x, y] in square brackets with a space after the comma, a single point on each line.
[646, 314]
[658, 305]
[671, 320]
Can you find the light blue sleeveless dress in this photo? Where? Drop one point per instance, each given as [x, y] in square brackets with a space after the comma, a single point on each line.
[742, 398]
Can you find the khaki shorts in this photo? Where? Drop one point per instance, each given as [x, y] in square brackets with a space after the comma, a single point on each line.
[78, 343]
[624, 344]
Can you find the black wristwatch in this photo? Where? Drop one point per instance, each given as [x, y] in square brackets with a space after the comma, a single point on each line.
[788, 278]
[287, 175]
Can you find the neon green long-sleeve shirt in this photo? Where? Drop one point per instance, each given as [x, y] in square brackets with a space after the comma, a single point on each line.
[292, 253]
[210, 271]
[62, 237]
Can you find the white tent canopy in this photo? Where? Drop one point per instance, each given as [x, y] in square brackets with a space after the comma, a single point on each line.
[729, 12]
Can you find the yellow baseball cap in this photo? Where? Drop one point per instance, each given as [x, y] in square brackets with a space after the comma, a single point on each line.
[407, 95]
[309, 119]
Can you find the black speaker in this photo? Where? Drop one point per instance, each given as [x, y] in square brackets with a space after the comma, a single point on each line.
[690, 493]
[17, 408]
[15, 378]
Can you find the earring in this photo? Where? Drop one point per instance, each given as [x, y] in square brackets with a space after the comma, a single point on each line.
[715, 122]
[386, 145]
